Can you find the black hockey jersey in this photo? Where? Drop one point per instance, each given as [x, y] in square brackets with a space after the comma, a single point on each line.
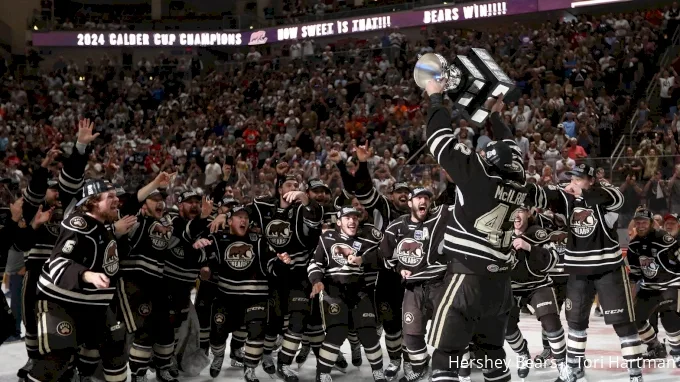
[37, 245]
[241, 265]
[330, 259]
[479, 238]
[416, 246]
[593, 243]
[84, 244]
[655, 258]
[182, 262]
[292, 229]
[530, 271]
[381, 211]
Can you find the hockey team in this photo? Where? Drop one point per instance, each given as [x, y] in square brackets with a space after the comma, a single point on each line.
[110, 273]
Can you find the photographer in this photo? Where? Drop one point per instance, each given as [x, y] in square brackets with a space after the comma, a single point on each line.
[656, 193]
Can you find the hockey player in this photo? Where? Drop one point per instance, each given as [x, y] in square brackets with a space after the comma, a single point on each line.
[337, 273]
[532, 286]
[389, 295]
[180, 271]
[595, 264]
[77, 286]
[653, 256]
[314, 334]
[207, 289]
[557, 234]
[58, 194]
[142, 272]
[241, 262]
[411, 247]
[477, 243]
[290, 221]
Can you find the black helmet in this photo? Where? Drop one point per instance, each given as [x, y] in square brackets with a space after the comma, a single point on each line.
[506, 157]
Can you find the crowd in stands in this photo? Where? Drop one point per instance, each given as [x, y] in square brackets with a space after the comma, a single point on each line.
[581, 83]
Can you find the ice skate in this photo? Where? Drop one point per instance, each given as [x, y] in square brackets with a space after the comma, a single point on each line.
[676, 359]
[302, 355]
[356, 355]
[379, 376]
[287, 373]
[174, 371]
[237, 358]
[216, 366]
[162, 375]
[323, 377]
[656, 350]
[565, 373]
[138, 378]
[23, 372]
[393, 369]
[464, 379]
[523, 366]
[544, 359]
[249, 375]
[636, 378]
[341, 364]
[412, 376]
[268, 364]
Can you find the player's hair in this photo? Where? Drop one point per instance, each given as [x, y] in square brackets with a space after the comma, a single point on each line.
[90, 204]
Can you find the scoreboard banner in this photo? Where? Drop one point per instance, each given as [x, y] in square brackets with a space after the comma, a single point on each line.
[406, 19]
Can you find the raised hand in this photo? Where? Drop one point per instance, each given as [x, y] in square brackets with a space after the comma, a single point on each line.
[363, 152]
[85, 128]
[334, 156]
[16, 209]
[219, 223]
[292, 196]
[499, 105]
[50, 157]
[164, 179]
[206, 207]
[282, 168]
[434, 87]
[41, 217]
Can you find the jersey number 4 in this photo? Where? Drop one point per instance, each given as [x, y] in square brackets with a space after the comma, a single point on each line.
[491, 224]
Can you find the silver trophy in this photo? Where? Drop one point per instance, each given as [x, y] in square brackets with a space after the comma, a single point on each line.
[468, 80]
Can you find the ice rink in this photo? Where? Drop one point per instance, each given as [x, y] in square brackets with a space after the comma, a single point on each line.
[603, 353]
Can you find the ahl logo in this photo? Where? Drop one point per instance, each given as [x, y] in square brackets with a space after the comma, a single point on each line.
[110, 263]
[409, 252]
[239, 255]
[567, 304]
[583, 222]
[408, 318]
[384, 307]
[278, 232]
[649, 267]
[334, 309]
[340, 252]
[64, 328]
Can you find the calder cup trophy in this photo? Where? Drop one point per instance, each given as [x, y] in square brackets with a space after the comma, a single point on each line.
[469, 81]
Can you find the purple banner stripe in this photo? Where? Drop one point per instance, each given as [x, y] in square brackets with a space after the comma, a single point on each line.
[406, 19]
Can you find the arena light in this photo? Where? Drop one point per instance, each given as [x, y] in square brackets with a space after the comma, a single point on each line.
[590, 3]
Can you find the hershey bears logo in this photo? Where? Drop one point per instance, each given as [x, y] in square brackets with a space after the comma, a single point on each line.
[219, 318]
[64, 328]
[410, 252]
[649, 267]
[583, 222]
[160, 235]
[340, 252]
[278, 232]
[559, 239]
[239, 255]
[110, 263]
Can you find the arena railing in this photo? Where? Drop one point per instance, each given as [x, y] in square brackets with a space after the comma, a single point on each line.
[627, 138]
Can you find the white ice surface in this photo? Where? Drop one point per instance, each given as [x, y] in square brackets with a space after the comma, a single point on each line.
[603, 352]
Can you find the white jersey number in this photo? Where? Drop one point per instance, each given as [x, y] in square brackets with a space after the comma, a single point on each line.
[491, 224]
